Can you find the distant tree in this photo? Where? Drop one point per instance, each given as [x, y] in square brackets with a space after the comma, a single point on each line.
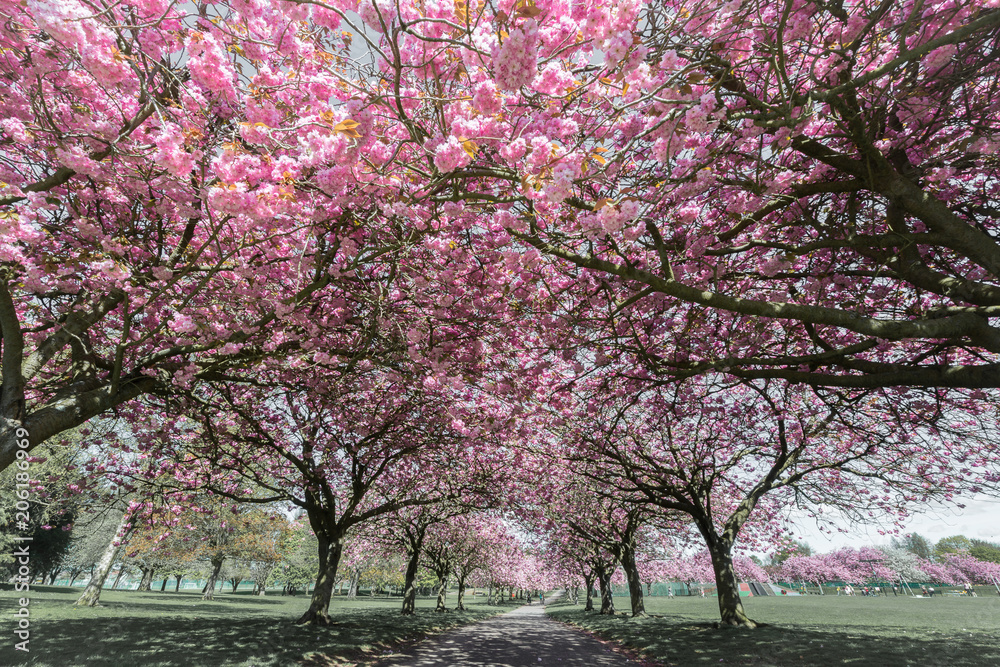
[900, 561]
[260, 545]
[52, 507]
[300, 563]
[916, 544]
[985, 551]
[956, 544]
[786, 551]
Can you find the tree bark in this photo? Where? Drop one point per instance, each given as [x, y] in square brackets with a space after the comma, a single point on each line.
[163, 586]
[92, 593]
[147, 579]
[632, 576]
[730, 604]
[177, 586]
[209, 593]
[442, 593]
[352, 589]
[607, 595]
[330, 551]
[460, 605]
[409, 581]
[588, 582]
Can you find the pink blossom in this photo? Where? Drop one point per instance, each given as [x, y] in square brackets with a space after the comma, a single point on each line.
[451, 155]
[515, 61]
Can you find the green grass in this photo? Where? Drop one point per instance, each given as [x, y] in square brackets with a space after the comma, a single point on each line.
[179, 630]
[809, 630]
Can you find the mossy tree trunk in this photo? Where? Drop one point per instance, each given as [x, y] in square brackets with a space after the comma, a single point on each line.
[442, 591]
[330, 551]
[352, 587]
[720, 548]
[460, 603]
[588, 583]
[147, 579]
[607, 594]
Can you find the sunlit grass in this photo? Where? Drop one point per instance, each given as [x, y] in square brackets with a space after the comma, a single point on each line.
[810, 630]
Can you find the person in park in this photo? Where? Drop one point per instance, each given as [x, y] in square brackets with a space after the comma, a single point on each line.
[541, 599]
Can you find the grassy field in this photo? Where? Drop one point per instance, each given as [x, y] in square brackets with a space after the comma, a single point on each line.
[809, 630]
[179, 630]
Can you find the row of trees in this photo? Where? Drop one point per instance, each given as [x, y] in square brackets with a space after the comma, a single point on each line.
[663, 265]
[921, 547]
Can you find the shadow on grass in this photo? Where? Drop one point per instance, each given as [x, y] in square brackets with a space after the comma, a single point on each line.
[219, 598]
[676, 641]
[358, 636]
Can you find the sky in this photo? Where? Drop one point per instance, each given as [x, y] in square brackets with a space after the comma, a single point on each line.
[979, 519]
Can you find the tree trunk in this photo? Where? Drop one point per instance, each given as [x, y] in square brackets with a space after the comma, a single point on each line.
[409, 582]
[72, 577]
[330, 551]
[634, 582]
[235, 582]
[121, 573]
[730, 604]
[92, 593]
[460, 605]
[147, 579]
[177, 586]
[209, 593]
[607, 595]
[442, 592]
[163, 586]
[352, 589]
[489, 595]
[588, 581]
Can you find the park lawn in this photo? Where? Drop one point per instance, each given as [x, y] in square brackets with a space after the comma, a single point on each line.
[809, 630]
[180, 630]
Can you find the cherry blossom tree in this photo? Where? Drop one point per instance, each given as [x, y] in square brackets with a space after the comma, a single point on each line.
[810, 184]
[734, 457]
[589, 511]
[363, 447]
[153, 231]
[581, 557]
[307, 225]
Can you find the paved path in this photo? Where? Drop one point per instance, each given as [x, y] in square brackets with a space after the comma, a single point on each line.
[522, 637]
